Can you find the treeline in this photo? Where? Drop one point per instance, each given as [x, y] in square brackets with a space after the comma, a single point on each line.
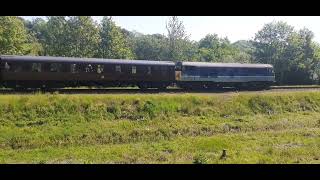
[294, 54]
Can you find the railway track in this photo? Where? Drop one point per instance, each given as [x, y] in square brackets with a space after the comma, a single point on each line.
[156, 91]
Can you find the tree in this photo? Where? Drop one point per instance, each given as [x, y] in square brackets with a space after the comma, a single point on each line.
[38, 29]
[75, 36]
[151, 47]
[14, 37]
[113, 42]
[210, 41]
[270, 43]
[83, 36]
[291, 52]
[210, 48]
[177, 38]
[301, 56]
[56, 40]
[244, 46]
[316, 64]
[190, 51]
[215, 49]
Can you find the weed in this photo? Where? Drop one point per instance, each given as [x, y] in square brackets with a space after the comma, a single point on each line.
[200, 159]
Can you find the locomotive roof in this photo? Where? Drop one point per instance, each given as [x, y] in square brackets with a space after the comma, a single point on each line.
[83, 60]
[207, 64]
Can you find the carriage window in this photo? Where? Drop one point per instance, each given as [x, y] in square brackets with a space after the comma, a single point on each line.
[149, 70]
[36, 67]
[7, 66]
[118, 68]
[73, 68]
[89, 68]
[55, 67]
[100, 69]
[134, 69]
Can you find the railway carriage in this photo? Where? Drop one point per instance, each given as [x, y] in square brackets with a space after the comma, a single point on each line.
[53, 72]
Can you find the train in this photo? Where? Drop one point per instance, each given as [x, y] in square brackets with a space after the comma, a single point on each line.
[47, 72]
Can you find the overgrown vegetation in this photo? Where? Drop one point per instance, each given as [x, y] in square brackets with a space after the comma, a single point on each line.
[168, 128]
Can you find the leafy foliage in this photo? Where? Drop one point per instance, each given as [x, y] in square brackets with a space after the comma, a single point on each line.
[291, 52]
[153, 47]
[14, 38]
[113, 42]
[215, 49]
[177, 38]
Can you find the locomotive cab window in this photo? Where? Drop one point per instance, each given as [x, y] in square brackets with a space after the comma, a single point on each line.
[36, 67]
[270, 71]
[134, 70]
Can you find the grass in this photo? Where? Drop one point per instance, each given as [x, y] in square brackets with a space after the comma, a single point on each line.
[165, 128]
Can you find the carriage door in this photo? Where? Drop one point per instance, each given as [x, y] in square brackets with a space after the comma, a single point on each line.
[74, 69]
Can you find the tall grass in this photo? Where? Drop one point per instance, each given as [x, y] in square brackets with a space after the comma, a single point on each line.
[29, 123]
[136, 107]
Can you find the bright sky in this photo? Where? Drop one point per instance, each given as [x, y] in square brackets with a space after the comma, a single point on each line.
[234, 27]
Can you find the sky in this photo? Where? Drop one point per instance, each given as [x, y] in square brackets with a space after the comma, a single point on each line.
[234, 27]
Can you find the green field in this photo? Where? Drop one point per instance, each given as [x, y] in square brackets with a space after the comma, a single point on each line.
[281, 127]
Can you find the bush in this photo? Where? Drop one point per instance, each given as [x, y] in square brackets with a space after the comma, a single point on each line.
[114, 110]
[149, 108]
[200, 159]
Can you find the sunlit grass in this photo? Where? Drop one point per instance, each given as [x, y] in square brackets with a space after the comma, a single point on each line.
[164, 128]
